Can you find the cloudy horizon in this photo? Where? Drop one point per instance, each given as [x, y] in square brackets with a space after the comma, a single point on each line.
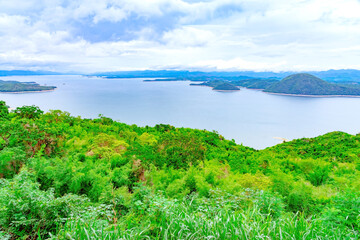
[222, 35]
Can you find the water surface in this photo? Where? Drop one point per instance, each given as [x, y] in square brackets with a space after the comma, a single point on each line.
[250, 117]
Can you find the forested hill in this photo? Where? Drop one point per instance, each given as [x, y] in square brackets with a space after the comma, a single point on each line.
[15, 86]
[307, 84]
[226, 87]
[65, 177]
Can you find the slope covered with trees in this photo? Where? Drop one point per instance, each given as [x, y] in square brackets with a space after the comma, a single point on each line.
[307, 84]
[65, 177]
[14, 86]
[255, 83]
[234, 84]
[226, 86]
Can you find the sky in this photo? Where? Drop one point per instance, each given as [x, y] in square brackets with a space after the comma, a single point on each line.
[210, 35]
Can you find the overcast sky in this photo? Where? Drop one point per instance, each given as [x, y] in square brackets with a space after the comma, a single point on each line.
[109, 35]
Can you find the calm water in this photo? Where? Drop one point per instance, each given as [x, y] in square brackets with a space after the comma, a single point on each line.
[251, 117]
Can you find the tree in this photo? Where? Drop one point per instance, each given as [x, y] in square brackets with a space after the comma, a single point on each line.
[30, 112]
[4, 111]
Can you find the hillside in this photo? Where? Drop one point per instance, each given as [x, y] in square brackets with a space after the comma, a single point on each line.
[251, 83]
[218, 85]
[307, 84]
[64, 177]
[14, 86]
[255, 83]
[226, 86]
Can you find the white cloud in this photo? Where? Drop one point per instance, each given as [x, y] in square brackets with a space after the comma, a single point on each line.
[216, 34]
[188, 37]
[239, 64]
[12, 24]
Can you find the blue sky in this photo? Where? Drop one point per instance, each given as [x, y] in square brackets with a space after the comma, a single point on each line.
[226, 35]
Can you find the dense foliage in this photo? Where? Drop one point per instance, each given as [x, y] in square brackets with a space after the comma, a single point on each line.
[307, 84]
[234, 84]
[64, 177]
[226, 86]
[255, 83]
[14, 86]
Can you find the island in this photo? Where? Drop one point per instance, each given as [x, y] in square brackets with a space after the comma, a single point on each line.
[19, 87]
[226, 86]
[221, 83]
[218, 85]
[299, 84]
[308, 85]
[255, 83]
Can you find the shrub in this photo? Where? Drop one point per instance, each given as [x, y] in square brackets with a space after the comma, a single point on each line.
[344, 211]
[11, 160]
[318, 176]
[26, 211]
[4, 111]
[300, 198]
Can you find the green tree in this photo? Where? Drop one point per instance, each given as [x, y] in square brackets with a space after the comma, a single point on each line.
[30, 112]
[4, 111]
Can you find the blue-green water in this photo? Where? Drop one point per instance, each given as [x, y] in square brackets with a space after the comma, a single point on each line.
[250, 117]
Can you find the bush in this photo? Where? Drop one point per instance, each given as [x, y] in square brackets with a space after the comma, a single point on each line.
[4, 111]
[319, 175]
[344, 211]
[26, 211]
[300, 198]
[269, 203]
[11, 160]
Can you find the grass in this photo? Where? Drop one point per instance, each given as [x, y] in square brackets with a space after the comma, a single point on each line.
[197, 219]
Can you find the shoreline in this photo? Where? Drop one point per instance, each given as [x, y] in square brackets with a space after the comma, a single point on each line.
[39, 91]
[225, 90]
[316, 96]
[198, 85]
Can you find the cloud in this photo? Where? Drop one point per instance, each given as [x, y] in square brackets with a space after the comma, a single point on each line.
[91, 35]
[188, 37]
[238, 64]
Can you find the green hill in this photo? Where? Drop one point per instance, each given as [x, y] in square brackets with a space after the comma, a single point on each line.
[255, 83]
[307, 84]
[14, 86]
[64, 177]
[218, 85]
[226, 86]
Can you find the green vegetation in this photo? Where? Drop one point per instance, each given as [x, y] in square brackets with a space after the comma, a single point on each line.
[306, 84]
[226, 86]
[14, 86]
[64, 177]
[225, 83]
[255, 83]
[218, 85]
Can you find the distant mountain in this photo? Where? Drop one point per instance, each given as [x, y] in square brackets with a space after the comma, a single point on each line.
[191, 75]
[307, 84]
[344, 75]
[175, 75]
[25, 73]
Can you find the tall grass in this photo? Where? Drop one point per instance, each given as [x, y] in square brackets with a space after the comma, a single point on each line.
[204, 219]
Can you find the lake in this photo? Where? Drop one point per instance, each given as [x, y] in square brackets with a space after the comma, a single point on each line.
[250, 117]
